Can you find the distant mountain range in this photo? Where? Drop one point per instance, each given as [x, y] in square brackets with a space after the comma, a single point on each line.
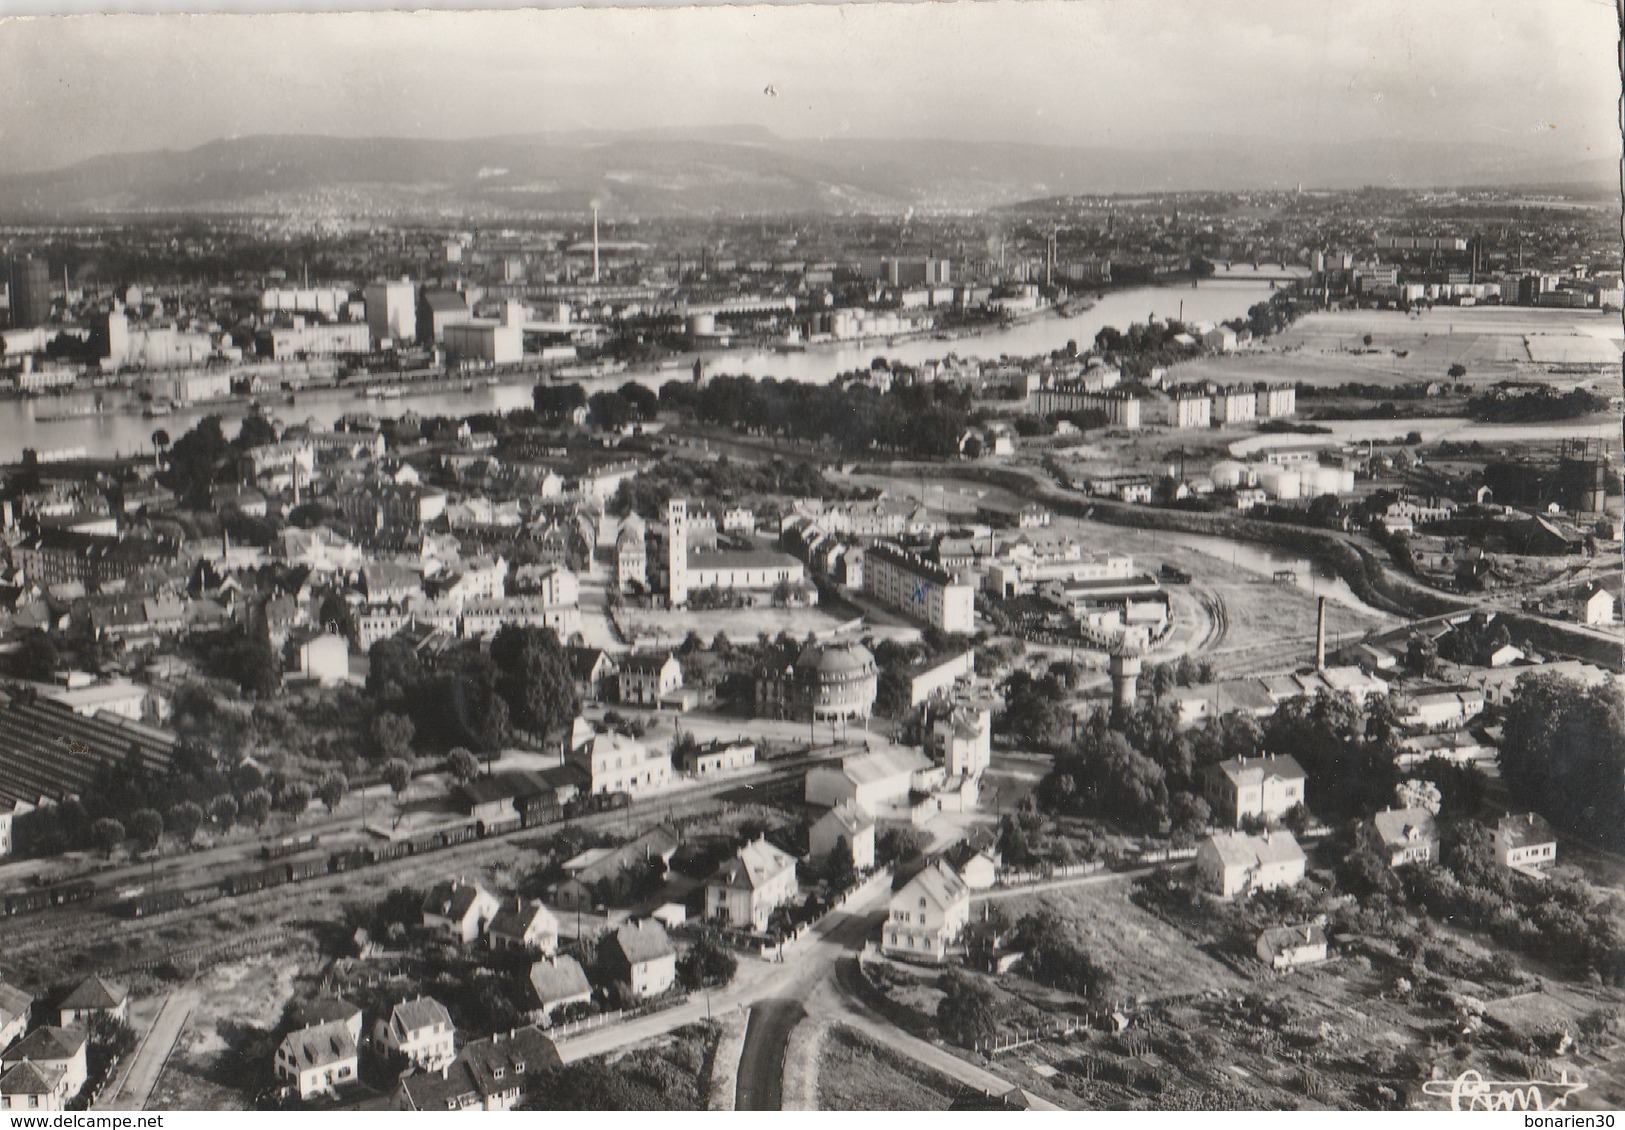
[725, 170]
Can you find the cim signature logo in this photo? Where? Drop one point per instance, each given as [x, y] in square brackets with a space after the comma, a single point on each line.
[1471, 1091]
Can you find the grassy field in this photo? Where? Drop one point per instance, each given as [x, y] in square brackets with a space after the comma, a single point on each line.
[1147, 957]
[855, 1073]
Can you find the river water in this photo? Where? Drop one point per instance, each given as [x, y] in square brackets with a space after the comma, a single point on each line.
[121, 430]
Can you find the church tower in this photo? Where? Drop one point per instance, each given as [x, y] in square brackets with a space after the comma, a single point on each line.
[677, 551]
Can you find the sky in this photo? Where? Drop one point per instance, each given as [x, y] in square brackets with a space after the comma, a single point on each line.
[1539, 80]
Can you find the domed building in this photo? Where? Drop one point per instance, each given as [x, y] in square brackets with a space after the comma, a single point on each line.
[837, 680]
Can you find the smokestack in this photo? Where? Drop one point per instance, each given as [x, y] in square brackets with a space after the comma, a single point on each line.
[1320, 635]
[595, 243]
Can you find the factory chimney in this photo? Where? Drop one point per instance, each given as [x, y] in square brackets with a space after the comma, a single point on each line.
[1320, 635]
[595, 243]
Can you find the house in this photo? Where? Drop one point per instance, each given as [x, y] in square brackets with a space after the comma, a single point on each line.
[421, 1030]
[962, 740]
[641, 957]
[58, 1052]
[15, 1006]
[459, 911]
[29, 1087]
[615, 763]
[495, 1073]
[610, 874]
[94, 996]
[1443, 706]
[1262, 788]
[977, 865]
[747, 889]
[318, 1059]
[523, 925]
[1596, 606]
[591, 669]
[327, 1009]
[1525, 842]
[1287, 947]
[847, 824]
[1236, 863]
[1406, 835]
[558, 982]
[646, 679]
[927, 916]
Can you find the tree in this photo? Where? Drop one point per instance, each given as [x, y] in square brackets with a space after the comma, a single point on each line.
[643, 399]
[195, 460]
[296, 797]
[1563, 754]
[968, 1014]
[37, 657]
[1456, 371]
[1422, 656]
[393, 671]
[398, 777]
[160, 444]
[707, 964]
[332, 790]
[392, 735]
[256, 806]
[146, 828]
[556, 401]
[900, 842]
[107, 834]
[255, 431]
[462, 764]
[533, 678]
[184, 820]
[223, 811]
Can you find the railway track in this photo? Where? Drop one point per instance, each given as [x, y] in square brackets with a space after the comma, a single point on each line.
[89, 925]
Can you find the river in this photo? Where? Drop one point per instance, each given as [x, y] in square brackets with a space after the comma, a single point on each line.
[121, 430]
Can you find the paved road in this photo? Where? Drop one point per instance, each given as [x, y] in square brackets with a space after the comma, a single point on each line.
[761, 1064]
[140, 1075]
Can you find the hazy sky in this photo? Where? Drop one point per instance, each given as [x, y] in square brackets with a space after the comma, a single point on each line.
[1538, 77]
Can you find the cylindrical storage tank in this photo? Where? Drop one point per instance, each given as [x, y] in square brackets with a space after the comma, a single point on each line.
[1280, 482]
[1322, 480]
[1226, 474]
[702, 325]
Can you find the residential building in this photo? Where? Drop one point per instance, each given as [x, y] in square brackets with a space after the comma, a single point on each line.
[845, 824]
[1236, 863]
[747, 889]
[615, 763]
[422, 1031]
[646, 679]
[828, 682]
[1525, 843]
[1262, 788]
[521, 924]
[319, 1059]
[1406, 835]
[962, 739]
[919, 588]
[715, 757]
[640, 956]
[58, 1052]
[591, 668]
[927, 915]
[559, 983]
[458, 911]
[872, 780]
[92, 997]
[1597, 606]
[15, 1006]
[1285, 948]
[28, 1087]
[495, 1073]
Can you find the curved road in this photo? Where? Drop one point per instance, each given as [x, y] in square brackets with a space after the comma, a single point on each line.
[761, 1063]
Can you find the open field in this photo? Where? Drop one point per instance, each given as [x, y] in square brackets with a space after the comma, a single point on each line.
[855, 1073]
[1147, 957]
[668, 629]
[1494, 343]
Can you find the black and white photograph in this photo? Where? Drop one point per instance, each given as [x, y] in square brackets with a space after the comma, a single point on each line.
[1001, 555]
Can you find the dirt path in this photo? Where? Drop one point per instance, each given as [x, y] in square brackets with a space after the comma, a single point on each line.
[140, 1075]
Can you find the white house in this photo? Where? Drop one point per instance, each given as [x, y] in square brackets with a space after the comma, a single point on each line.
[458, 911]
[1235, 863]
[1288, 947]
[15, 1006]
[421, 1030]
[870, 780]
[646, 679]
[318, 1060]
[1263, 788]
[59, 1053]
[927, 916]
[641, 957]
[962, 740]
[747, 889]
[846, 823]
[1597, 606]
[558, 983]
[1406, 835]
[523, 925]
[94, 996]
[1525, 842]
